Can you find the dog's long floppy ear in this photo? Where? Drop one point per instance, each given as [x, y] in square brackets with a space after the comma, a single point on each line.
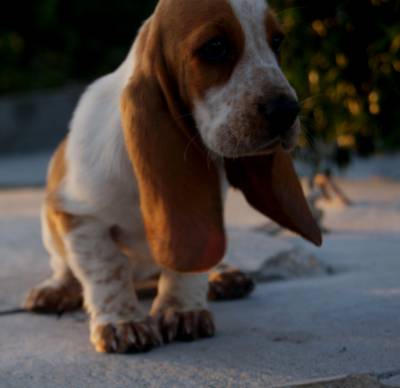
[179, 187]
[270, 184]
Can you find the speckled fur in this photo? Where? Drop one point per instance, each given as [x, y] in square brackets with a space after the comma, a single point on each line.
[228, 118]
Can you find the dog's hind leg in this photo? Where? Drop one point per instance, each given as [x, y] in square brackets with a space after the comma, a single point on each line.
[62, 291]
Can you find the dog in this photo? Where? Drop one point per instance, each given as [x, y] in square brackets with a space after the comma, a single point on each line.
[137, 187]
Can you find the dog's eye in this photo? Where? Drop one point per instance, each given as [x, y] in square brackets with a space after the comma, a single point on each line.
[214, 51]
[276, 43]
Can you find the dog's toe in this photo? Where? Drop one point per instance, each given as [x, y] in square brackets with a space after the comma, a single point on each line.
[185, 326]
[54, 298]
[229, 284]
[126, 337]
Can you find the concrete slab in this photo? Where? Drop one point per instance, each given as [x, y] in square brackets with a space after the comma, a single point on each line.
[286, 334]
[356, 381]
[393, 381]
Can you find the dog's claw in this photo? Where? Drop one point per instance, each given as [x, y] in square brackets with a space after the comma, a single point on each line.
[127, 337]
[185, 326]
[229, 284]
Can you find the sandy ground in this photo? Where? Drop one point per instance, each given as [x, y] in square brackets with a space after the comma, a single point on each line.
[286, 333]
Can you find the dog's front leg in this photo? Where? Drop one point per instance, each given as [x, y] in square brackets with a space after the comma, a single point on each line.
[117, 322]
[181, 307]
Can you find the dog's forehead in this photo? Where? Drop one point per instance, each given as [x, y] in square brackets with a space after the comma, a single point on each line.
[250, 13]
[186, 15]
[253, 16]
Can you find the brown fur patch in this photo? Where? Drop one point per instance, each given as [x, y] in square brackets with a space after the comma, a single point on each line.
[58, 169]
[271, 185]
[58, 221]
[179, 190]
[178, 29]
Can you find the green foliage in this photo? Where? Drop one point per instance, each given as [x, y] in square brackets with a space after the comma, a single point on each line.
[343, 56]
[344, 59]
[45, 43]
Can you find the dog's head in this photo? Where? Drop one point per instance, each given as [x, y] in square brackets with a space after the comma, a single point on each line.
[224, 57]
[207, 80]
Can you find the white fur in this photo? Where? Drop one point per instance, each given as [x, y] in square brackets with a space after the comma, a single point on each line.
[100, 180]
[226, 111]
[99, 171]
[186, 291]
[104, 272]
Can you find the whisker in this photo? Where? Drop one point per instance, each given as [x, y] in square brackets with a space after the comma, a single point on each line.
[209, 155]
[264, 145]
[302, 102]
[238, 143]
[191, 141]
[308, 138]
[210, 158]
[184, 116]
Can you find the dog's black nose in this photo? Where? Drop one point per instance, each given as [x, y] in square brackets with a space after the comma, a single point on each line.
[281, 114]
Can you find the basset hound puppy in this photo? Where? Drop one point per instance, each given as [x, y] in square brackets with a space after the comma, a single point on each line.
[137, 187]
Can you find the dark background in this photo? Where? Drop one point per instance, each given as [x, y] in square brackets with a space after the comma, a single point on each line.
[343, 57]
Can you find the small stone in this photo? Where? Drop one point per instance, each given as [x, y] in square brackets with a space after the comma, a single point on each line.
[292, 264]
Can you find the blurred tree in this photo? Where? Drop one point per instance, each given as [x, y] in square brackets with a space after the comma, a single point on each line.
[343, 57]
[45, 43]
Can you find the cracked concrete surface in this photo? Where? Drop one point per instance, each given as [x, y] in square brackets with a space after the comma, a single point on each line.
[335, 330]
[384, 380]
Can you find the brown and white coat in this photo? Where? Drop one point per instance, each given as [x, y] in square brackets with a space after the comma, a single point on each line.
[137, 187]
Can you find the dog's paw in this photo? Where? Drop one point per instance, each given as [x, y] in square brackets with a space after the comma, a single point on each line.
[52, 297]
[229, 284]
[125, 337]
[185, 325]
